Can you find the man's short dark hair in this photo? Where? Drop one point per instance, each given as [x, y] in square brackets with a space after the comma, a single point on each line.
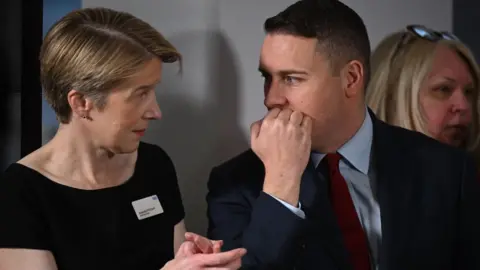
[340, 31]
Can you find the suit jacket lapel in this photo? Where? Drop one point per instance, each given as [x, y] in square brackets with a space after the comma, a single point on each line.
[320, 216]
[395, 175]
[394, 181]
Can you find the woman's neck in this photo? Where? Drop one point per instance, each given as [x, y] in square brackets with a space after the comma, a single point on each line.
[72, 154]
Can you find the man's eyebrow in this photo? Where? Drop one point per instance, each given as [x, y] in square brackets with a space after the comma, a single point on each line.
[292, 71]
[262, 70]
[284, 72]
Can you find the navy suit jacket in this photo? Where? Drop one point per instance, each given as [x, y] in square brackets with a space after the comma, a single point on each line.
[428, 195]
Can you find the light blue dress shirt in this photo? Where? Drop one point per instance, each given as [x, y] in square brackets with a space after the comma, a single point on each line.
[355, 167]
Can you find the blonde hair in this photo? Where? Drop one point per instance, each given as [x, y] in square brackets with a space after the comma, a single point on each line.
[400, 64]
[93, 50]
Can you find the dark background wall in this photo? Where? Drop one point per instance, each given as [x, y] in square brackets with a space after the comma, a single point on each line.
[22, 108]
[466, 25]
[20, 91]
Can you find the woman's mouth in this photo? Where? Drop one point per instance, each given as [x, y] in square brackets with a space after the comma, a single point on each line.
[139, 132]
[456, 134]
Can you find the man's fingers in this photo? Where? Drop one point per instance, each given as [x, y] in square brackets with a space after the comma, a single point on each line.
[272, 114]
[284, 115]
[255, 130]
[223, 258]
[307, 123]
[296, 118]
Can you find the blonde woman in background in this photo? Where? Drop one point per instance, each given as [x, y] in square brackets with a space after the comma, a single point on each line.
[427, 81]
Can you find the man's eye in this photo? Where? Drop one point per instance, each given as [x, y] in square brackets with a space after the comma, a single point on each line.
[291, 80]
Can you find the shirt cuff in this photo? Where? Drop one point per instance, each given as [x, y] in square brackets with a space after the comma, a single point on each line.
[296, 210]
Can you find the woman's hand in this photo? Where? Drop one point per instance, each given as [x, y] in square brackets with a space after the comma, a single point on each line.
[203, 244]
[190, 256]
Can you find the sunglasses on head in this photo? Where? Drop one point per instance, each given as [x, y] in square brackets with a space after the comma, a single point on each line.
[422, 32]
[429, 34]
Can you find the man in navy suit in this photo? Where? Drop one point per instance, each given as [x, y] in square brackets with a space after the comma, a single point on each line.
[328, 186]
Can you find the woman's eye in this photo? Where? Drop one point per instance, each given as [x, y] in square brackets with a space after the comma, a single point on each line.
[446, 89]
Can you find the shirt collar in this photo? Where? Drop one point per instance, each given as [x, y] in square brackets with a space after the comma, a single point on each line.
[355, 151]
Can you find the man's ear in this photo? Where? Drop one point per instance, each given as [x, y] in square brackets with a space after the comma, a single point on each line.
[352, 78]
[80, 104]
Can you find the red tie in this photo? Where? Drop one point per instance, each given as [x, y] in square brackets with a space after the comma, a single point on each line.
[354, 237]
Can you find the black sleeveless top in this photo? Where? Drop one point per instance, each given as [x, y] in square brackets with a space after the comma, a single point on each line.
[94, 229]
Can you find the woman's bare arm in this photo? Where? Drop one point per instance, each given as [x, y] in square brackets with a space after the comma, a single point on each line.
[178, 236]
[26, 259]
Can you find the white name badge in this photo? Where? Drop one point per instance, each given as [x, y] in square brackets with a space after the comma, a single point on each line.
[147, 207]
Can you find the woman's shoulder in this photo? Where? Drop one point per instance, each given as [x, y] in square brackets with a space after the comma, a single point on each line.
[153, 155]
[21, 184]
[152, 149]
[26, 169]
[21, 209]
[153, 163]
[18, 174]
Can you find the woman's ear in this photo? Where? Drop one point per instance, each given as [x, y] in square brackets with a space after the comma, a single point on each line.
[80, 104]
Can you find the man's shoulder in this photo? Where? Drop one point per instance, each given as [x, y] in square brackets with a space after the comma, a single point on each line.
[246, 159]
[244, 169]
[421, 146]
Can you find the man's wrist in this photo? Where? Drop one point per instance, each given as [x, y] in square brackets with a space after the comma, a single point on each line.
[296, 210]
[288, 193]
[288, 198]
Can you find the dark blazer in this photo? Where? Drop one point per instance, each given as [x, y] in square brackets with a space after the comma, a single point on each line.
[429, 200]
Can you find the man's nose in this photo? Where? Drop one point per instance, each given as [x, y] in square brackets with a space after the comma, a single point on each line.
[275, 97]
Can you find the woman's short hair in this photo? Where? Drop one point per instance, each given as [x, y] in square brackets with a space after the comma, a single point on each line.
[400, 64]
[93, 50]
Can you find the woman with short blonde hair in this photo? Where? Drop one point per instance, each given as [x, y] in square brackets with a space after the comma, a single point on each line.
[96, 196]
[427, 81]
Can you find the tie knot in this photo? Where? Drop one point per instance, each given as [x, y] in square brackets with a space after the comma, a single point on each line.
[333, 160]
